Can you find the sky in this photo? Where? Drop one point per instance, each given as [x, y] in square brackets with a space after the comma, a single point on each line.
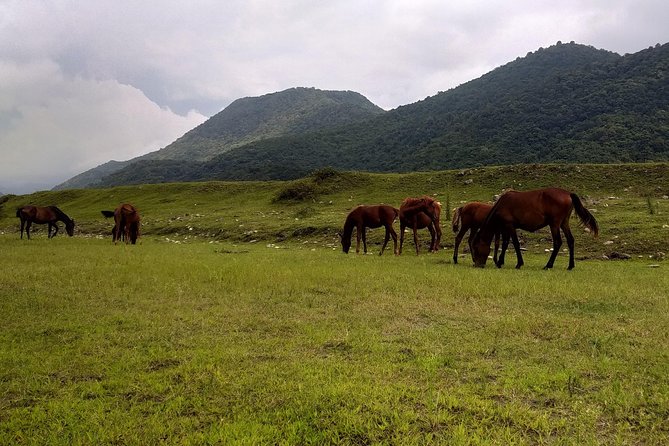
[84, 82]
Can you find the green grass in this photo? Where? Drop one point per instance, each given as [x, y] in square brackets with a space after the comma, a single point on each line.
[249, 344]
[253, 328]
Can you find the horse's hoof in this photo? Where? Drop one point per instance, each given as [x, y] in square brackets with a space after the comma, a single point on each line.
[518, 266]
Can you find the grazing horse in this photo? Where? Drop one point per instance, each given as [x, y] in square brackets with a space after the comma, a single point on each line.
[530, 211]
[126, 223]
[363, 217]
[419, 213]
[470, 217]
[41, 215]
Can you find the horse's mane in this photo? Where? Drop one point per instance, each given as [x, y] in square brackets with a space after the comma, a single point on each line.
[491, 213]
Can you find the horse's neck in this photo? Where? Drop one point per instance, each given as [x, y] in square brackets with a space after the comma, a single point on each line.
[60, 215]
[414, 209]
[348, 227]
[489, 228]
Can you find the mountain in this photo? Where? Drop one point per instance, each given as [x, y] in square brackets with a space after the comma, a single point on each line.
[290, 112]
[566, 103]
[92, 176]
[247, 120]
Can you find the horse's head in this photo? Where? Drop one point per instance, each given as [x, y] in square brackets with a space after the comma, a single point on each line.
[345, 242]
[69, 228]
[480, 250]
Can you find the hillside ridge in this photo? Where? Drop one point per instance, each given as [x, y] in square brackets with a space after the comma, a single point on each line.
[568, 103]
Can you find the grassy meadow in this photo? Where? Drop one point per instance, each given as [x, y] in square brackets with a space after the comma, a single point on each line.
[237, 319]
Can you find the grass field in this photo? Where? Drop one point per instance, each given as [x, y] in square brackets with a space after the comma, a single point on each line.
[253, 328]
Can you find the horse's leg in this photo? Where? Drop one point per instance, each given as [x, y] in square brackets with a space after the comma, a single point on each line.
[358, 232]
[23, 223]
[516, 245]
[28, 225]
[502, 255]
[433, 237]
[56, 229]
[364, 239]
[458, 240]
[393, 234]
[494, 257]
[570, 243]
[415, 236]
[402, 227]
[557, 242]
[385, 241]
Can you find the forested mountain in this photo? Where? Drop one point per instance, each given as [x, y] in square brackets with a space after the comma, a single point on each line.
[565, 103]
[289, 112]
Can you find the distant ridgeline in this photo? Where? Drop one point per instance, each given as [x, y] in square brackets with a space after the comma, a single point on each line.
[567, 103]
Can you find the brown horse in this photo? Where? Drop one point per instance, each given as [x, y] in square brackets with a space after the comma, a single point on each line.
[40, 215]
[530, 211]
[470, 217]
[363, 217]
[126, 223]
[420, 213]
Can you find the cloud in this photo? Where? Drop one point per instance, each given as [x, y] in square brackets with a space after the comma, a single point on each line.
[108, 79]
[56, 126]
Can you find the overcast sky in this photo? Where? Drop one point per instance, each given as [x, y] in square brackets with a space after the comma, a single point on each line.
[84, 82]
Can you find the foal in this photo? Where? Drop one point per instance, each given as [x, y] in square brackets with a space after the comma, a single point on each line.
[363, 217]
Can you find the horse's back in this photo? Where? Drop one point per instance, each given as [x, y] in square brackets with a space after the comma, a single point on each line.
[37, 214]
[534, 209]
[475, 212]
[373, 216]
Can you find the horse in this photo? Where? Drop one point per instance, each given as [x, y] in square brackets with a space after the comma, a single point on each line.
[126, 223]
[470, 217]
[419, 213]
[363, 217]
[531, 211]
[40, 215]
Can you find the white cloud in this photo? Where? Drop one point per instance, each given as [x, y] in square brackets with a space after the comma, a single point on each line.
[90, 81]
[57, 126]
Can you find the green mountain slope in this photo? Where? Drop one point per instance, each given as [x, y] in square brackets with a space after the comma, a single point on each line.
[289, 112]
[566, 103]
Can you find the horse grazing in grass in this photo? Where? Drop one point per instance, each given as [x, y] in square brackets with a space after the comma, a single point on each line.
[126, 223]
[420, 213]
[41, 215]
[363, 217]
[470, 217]
[530, 211]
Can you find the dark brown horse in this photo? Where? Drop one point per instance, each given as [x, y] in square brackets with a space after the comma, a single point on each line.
[41, 215]
[470, 217]
[530, 211]
[420, 213]
[363, 217]
[126, 223]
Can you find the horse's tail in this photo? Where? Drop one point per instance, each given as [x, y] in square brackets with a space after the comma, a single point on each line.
[18, 212]
[584, 215]
[108, 214]
[437, 207]
[456, 219]
[397, 213]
